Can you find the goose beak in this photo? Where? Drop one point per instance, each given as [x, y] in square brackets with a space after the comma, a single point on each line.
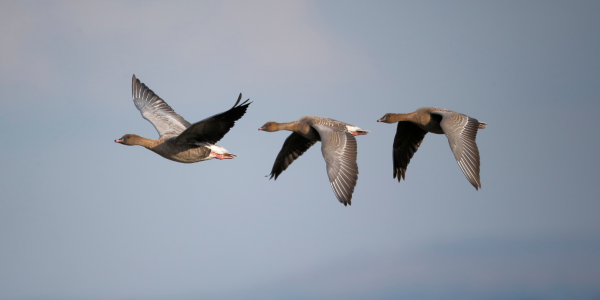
[120, 141]
[379, 120]
[260, 128]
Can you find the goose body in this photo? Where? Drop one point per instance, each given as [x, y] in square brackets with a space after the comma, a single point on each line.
[338, 147]
[460, 129]
[179, 140]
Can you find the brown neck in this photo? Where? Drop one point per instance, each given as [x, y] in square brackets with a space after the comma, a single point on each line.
[401, 117]
[291, 126]
[141, 141]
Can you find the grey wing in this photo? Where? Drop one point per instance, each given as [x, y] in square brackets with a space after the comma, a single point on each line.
[406, 142]
[156, 110]
[339, 150]
[461, 131]
[293, 147]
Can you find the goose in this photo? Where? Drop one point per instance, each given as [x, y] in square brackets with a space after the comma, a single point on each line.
[460, 129]
[179, 140]
[338, 147]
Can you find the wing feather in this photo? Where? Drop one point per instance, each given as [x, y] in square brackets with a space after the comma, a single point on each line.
[213, 129]
[339, 149]
[293, 147]
[156, 110]
[461, 131]
[406, 142]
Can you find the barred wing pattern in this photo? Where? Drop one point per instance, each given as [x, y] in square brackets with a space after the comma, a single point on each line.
[156, 110]
[406, 142]
[293, 147]
[339, 150]
[213, 129]
[461, 131]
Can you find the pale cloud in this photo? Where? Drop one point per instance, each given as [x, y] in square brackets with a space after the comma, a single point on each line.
[476, 265]
[14, 22]
[23, 59]
[100, 40]
[281, 35]
[276, 35]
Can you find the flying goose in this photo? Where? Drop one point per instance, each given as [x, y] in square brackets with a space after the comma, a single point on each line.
[461, 131]
[179, 140]
[338, 146]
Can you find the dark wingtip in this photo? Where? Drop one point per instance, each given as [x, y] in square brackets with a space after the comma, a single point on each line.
[245, 103]
[400, 176]
[345, 201]
[475, 184]
[238, 100]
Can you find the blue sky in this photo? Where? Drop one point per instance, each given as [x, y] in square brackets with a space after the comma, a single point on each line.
[84, 218]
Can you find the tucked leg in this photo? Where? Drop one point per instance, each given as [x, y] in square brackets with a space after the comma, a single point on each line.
[221, 156]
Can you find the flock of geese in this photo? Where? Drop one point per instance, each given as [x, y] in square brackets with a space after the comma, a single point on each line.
[183, 142]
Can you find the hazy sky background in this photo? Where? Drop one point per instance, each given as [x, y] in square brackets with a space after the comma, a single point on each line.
[84, 218]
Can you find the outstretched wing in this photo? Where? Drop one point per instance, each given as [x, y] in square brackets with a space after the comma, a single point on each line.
[406, 142]
[339, 150]
[461, 131]
[156, 110]
[213, 129]
[294, 146]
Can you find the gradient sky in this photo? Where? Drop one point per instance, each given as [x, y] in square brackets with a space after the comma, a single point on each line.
[84, 218]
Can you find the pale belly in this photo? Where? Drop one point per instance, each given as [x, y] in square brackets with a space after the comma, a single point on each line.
[188, 156]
